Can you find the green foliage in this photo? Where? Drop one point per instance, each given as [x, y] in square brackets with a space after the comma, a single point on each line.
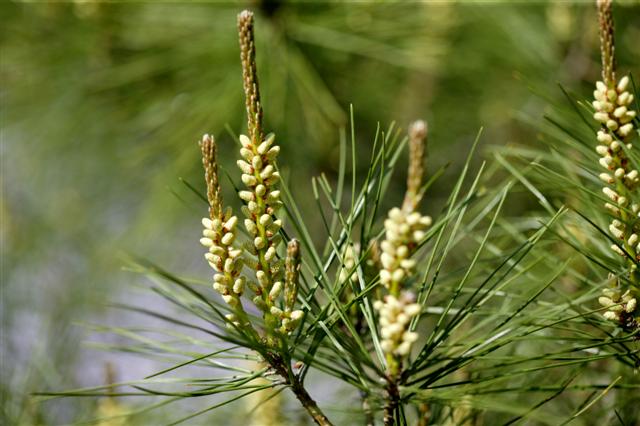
[101, 105]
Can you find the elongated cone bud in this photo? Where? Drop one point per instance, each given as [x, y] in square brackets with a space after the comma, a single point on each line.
[417, 153]
[250, 75]
[607, 44]
[292, 272]
[210, 164]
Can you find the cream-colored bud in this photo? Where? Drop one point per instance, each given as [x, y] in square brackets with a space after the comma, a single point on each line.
[245, 141]
[403, 318]
[626, 129]
[217, 250]
[270, 254]
[247, 154]
[407, 263]
[253, 207]
[605, 301]
[611, 316]
[633, 239]
[266, 172]
[410, 336]
[230, 224]
[274, 196]
[262, 278]
[207, 242]
[392, 302]
[604, 137]
[397, 275]
[211, 257]
[616, 308]
[259, 243]
[273, 178]
[601, 117]
[606, 177]
[618, 233]
[238, 285]
[385, 277]
[425, 221]
[265, 219]
[623, 83]
[613, 195]
[387, 261]
[245, 167]
[228, 238]
[620, 111]
[418, 236]
[403, 349]
[602, 88]
[606, 162]
[412, 309]
[296, 315]
[275, 290]
[619, 173]
[276, 225]
[256, 162]
[402, 252]
[387, 247]
[246, 196]
[413, 218]
[611, 124]
[623, 99]
[393, 329]
[613, 209]
[396, 215]
[618, 250]
[630, 115]
[228, 265]
[208, 233]
[276, 311]
[387, 346]
[249, 180]
[631, 305]
[273, 152]
[602, 150]
[260, 190]
[206, 222]
[250, 226]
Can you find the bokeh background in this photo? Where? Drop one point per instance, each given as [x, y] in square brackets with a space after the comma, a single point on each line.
[102, 105]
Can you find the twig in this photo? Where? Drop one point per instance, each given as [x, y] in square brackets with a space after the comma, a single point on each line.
[293, 381]
[392, 400]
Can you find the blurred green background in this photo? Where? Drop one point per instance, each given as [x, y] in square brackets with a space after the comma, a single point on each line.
[102, 105]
